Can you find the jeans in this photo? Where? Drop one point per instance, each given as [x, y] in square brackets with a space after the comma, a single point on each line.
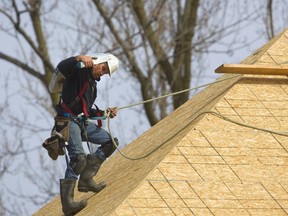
[95, 135]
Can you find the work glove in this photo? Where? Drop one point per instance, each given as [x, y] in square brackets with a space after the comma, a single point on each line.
[111, 112]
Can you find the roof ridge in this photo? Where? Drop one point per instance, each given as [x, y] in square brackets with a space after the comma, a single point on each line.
[261, 55]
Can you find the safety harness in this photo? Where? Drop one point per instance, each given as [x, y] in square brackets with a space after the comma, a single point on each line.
[68, 107]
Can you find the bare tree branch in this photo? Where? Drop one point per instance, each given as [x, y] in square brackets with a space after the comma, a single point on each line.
[270, 27]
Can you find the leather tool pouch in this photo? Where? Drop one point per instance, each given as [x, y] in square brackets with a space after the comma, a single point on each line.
[59, 136]
[52, 145]
[62, 125]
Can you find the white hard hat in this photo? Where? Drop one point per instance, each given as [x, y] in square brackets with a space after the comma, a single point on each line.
[112, 61]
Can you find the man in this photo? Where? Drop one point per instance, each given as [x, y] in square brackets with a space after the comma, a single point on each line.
[79, 92]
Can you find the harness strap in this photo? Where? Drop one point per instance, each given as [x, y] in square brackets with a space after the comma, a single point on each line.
[84, 106]
[81, 121]
[67, 108]
[98, 114]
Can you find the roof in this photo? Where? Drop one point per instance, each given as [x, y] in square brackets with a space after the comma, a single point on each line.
[206, 165]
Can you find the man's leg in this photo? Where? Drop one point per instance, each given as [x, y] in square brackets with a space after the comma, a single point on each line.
[74, 168]
[100, 136]
[95, 135]
[76, 153]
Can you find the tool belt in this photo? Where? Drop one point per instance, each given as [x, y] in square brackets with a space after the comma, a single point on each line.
[62, 125]
[59, 138]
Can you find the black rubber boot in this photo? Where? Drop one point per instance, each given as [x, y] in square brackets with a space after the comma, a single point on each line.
[86, 182]
[69, 207]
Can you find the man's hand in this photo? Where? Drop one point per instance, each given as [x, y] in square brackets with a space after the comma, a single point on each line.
[87, 60]
[112, 112]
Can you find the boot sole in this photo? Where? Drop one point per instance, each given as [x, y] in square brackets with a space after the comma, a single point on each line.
[87, 189]
[75, 211]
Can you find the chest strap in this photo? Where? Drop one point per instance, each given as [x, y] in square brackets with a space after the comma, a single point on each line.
[68, 107]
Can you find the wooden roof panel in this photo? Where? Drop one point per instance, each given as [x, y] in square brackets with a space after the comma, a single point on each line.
[206, 165]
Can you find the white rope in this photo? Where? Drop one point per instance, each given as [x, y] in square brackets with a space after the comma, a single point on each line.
[202, 113]
[176, 93]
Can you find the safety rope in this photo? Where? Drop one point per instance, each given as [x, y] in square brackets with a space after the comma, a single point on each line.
[200, 114]
[176, 93]
[245, 125]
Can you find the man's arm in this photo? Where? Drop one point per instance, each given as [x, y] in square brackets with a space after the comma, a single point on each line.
[68, 66]
[87, 60]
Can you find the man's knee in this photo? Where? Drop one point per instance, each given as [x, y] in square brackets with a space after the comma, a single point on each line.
[109, 147]
[78, 163]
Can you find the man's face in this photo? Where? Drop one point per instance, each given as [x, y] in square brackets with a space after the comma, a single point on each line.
[100, 70]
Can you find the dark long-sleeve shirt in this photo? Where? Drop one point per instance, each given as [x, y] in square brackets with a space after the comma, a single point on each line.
[75, 79]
